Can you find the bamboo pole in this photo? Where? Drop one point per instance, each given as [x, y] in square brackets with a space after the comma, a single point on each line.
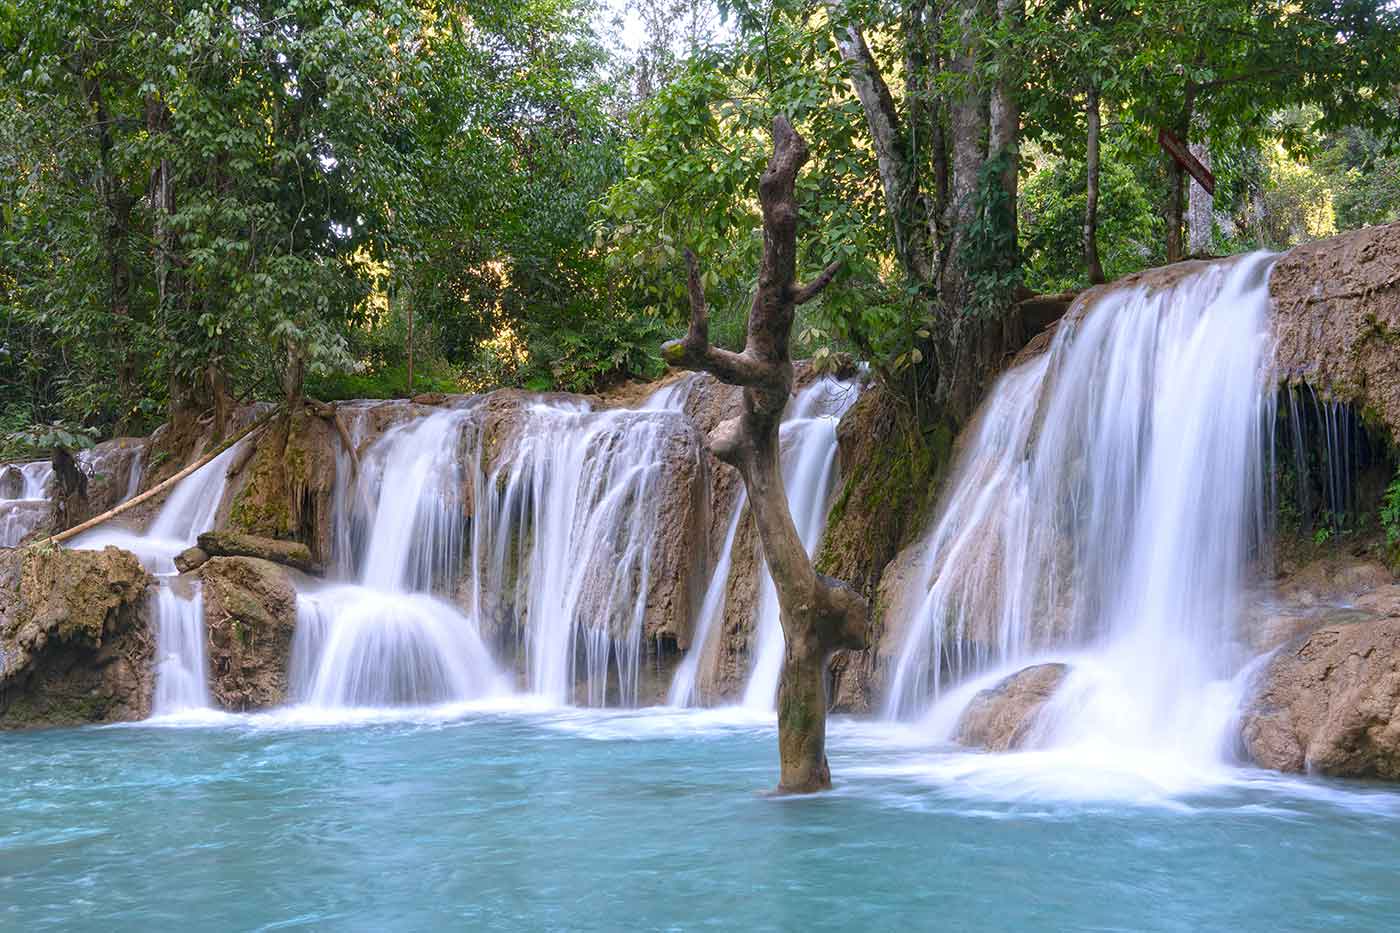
[157, 489]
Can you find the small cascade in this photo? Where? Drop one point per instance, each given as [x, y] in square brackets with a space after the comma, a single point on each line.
[133, 475]
[808, 437]
[387, 641]
[1107, 505]
[563, 539]
[24, 499]
[684, 685]
[182, 676]
[189, 510]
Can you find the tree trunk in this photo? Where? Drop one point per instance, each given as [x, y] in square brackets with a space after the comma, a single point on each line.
[968, 117]
[1091, 193]
[899, 177]
[819, 615]
[1176, 185]
[410, 348]
[1004, 122]
[1200, 213]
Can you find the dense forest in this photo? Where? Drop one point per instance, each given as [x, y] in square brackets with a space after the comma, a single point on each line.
[209, 202]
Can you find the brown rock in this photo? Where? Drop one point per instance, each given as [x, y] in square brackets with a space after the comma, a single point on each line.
[250, 611]
[190, 559]
[74, 643]
[1330, 704]
[1001, 718]
[1336, 312]
[11, 482]
[235, 544]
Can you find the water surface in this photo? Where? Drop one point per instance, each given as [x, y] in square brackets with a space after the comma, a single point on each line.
[590, 820]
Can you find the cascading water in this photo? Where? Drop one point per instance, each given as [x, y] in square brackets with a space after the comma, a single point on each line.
[808, 437]
[564, 537]
[24, 502]
[182, 676]
[182, 680]
[1107, 505]
[387, 641]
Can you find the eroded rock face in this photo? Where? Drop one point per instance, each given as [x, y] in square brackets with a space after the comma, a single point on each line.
[1001, 718]
[1336, 311]
[250, 612]
[74, 642]
[1330, 704]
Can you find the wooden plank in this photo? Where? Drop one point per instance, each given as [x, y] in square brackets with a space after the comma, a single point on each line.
[1178, 150]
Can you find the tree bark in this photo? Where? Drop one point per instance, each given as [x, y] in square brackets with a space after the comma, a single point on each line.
[1091, 193]
[1200, 209]
[819, 615]
[1004, 119]
[899, 177]
[968, 118]
[1176, 185]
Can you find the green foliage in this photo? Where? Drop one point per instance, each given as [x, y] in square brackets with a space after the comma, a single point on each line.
[989, 250]
[42, 438]
[1390, 512]
[1131, 231]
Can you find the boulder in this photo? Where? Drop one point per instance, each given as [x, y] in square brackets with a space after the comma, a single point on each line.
[1001, 718]
[1330, 704]
[236, 544]
[75, 646]
[250, 613]
[190, 559]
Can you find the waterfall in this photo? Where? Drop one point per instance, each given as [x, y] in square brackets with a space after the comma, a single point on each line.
[564, 539]
[25, 511]
[387, 640]
[808, 437]
[1106, 504]
[191, 508]
[182, 677]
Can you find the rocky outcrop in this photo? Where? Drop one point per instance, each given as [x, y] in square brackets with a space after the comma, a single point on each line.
[1330, 704]
[74, 643]
[889, 481]
[191, 559]
[1002, 718]
[11, 482]
[250, 613]
[235, 544]
[1336, 307]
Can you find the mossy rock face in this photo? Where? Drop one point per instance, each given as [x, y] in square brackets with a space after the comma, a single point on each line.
[286, 490]
[235, 544]
[75, 642]
[891, 475]
[250, 613]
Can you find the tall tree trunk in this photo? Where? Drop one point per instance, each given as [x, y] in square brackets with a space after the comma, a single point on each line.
[1004, 129]
[1200, 212]
[819, 615]
[899, 176]
[1091, 192]
[1176, 184]
[968, 119]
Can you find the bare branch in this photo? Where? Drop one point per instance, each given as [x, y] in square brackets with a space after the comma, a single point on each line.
[805, 293]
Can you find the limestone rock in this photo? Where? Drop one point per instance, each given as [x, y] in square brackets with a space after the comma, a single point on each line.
[235, 544]
[1000, 718]
[250, 612]
[286, 490]
[1336, 318]
[74, 642]
[1330, 704]
[190, 559]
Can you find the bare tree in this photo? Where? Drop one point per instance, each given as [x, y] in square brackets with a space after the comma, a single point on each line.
[819, 615]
